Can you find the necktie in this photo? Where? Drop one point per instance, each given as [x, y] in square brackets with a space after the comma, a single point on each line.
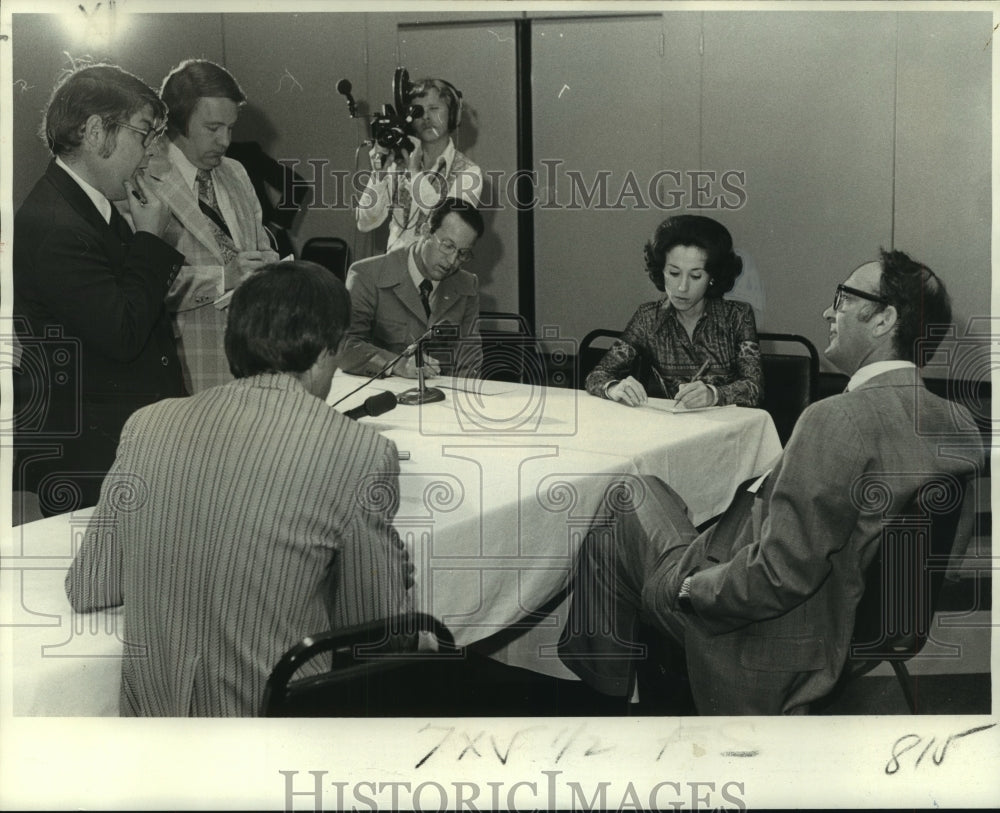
[119, 225]
[210, 206]
[425, 293]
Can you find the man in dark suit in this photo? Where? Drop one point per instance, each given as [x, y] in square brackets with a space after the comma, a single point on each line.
[241, 519]
[88, 292]
[764, 601]
[397, 297]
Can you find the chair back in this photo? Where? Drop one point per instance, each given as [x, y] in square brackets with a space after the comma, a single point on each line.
[330, 252]
[903, 583]
[592, 349]
[510, 351]
[791, 380]
[368, 666]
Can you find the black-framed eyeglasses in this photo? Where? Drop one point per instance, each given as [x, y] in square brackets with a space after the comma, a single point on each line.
[450, 249]
[148, 136]
[843, 290]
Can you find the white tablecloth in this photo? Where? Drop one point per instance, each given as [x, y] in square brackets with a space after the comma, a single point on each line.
[502, 483]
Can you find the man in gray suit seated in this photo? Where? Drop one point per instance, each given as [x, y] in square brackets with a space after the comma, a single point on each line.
[397, 297]
[237, 521]
[764, 601]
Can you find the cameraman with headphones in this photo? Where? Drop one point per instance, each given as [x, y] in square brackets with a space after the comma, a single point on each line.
[407, 186]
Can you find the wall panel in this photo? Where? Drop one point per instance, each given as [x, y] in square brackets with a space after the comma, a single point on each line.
[289, 66]
[803, 104]
[943, 137]
[606, 93]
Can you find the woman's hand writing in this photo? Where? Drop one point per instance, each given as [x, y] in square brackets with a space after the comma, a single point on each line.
[695, 394]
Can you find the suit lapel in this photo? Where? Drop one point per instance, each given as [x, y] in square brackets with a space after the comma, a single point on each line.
[172, 190]
[84, 206]
[76, 197]
[445, 298]
[406, 291]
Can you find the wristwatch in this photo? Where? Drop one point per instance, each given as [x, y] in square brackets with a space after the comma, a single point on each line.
[684, 596]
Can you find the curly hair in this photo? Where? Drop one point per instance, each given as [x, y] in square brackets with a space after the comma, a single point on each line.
[722, 264]
[920, 300]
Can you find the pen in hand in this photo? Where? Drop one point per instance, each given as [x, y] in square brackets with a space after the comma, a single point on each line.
[701, 371]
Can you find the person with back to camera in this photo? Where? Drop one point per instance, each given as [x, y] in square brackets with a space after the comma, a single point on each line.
[244, 517]
[699, 349]
[407, 187]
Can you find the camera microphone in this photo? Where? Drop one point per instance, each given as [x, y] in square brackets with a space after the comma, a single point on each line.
[344, 89]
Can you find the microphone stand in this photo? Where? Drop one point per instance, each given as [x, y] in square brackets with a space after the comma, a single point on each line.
[421, 394]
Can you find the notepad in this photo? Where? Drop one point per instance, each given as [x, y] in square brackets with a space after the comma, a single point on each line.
[673, 406]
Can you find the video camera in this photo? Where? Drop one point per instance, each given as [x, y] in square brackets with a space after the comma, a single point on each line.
[391, 127]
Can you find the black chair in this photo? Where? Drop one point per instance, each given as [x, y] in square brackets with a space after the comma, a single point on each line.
[510, 351]
[373, 670]
[791, 380]
[330, 252]
[592, 348]
[894, 618]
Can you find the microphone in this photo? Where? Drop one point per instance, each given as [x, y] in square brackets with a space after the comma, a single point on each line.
[373, 407]
[409, 351]
[421, 394]
[344, 89]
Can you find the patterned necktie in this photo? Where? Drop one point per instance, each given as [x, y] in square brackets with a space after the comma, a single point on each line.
[425, 292]
[119, 225]
[210, 206]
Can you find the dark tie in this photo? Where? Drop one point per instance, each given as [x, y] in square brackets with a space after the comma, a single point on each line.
[119, 225]
[425, 294]
[209, 205]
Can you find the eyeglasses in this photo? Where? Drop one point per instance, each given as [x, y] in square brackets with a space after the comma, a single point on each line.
[450, 249]
[838, 298]
[148, 136]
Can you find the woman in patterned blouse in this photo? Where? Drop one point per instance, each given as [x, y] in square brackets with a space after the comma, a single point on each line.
[691, 345]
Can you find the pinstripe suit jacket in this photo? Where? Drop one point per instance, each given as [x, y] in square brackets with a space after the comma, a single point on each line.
[200, 325]
[233, 524]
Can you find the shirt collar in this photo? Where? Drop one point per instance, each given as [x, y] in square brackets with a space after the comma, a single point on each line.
[188, 171]
[869, 371]
[444, 161]
[411, 265]
[99, 198]
[668, 310]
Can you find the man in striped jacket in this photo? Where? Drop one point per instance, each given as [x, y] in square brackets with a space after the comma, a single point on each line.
[237, 521]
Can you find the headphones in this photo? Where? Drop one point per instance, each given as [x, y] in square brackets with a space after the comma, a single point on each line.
[454, 100]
